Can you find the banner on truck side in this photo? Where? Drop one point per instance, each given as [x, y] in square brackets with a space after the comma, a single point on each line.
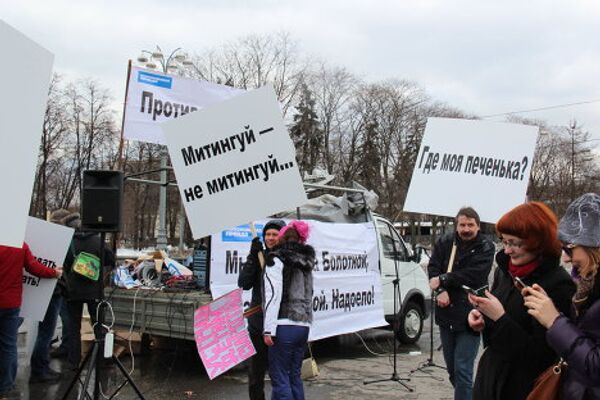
[347, 294]
[154, 97]
[234, 162]
[25, 72]
[221, 336]
[49, 243]
[485, 165]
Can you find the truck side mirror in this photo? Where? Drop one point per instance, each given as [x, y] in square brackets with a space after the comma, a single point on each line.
[417, 252]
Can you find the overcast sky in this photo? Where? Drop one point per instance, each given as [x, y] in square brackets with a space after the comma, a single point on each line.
[484, 57]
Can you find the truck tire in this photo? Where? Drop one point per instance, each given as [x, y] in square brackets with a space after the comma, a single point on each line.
[409, 323]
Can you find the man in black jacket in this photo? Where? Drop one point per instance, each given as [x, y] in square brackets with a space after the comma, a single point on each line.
[251, 278]
[461, 258]
[81, 290]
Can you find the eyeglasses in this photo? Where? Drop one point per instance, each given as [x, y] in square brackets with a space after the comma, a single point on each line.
[568, 249]
[511, 244]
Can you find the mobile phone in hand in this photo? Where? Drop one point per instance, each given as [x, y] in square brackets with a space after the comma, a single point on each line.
[520, 284]
[476, 292]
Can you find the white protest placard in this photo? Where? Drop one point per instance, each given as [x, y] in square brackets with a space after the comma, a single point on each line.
[234, 162]
[154, 97]
[25, 80]
[49, 243]
[485, 165]
[347, 294]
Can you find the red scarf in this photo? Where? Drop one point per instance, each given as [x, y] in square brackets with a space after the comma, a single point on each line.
[522, 270]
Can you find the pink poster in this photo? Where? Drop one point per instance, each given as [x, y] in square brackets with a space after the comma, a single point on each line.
[221, 336]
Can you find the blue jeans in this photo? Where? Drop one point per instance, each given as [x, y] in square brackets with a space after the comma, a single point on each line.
[285, 362]
[40, 358]
[9, 328]
[460, 350]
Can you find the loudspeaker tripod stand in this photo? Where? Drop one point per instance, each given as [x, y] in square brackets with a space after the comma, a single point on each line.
[395, 377]
[93, 359]
[429, 363]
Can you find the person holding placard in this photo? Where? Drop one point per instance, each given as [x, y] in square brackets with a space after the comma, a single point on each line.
[40, 357]
[251, 279]
[460, 260]
[287, 303]
[516, 351]
[12, 262]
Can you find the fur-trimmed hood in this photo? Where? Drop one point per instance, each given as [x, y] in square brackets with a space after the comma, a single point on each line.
[294, 255]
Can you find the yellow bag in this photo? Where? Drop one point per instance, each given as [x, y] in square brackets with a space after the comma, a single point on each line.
[309, 366]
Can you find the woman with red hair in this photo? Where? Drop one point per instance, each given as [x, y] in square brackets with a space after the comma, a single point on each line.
[516, 352]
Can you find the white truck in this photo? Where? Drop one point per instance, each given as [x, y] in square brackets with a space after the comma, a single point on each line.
[170, 313]
[396, 259]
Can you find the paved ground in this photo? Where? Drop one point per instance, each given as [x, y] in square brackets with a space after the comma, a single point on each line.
[345, 364]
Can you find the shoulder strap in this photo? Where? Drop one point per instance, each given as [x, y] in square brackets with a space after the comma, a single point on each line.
[452, 255]
[72, 247]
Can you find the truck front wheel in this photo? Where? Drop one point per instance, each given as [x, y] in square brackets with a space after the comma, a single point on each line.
[409, 323]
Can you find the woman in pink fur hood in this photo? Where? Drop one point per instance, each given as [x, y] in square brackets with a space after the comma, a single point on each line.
[288, 292]
[302, 230]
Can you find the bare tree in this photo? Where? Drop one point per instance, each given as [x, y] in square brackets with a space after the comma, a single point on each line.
[254, 61]
[91, 138]
[564, 166]
[333, 88]
[53, 132]
[140, 200]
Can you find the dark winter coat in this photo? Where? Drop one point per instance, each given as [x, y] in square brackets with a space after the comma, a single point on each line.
[250, 278]
[516, 352]
[472, 264]
[77, 287]
[578, 343]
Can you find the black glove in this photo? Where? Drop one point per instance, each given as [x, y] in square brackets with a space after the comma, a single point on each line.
[256, 246]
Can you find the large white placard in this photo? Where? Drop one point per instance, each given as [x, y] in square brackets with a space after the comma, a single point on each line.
[347, 295]
[153, 97]
[485, 165]
[234, 162]
[49, 243]
[25, 73]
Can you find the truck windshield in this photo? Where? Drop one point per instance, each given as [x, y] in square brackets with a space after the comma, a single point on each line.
[392, 245]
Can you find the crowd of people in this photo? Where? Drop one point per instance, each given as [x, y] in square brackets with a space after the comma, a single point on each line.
[533, 316]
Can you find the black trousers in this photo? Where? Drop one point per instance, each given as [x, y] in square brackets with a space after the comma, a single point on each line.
[257, 368]
[75, 309]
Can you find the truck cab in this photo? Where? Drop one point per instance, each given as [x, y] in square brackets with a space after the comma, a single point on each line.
[396, 261]
[412, 302]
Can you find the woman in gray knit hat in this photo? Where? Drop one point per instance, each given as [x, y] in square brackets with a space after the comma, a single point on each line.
[576, 338]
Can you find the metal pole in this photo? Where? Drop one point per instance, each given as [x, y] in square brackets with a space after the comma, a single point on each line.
[181, 227]
[161, 239]
[572, 132]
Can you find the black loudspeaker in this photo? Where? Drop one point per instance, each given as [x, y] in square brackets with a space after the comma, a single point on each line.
[102, 201]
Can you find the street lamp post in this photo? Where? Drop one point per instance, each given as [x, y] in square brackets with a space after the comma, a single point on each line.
[173, 62]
